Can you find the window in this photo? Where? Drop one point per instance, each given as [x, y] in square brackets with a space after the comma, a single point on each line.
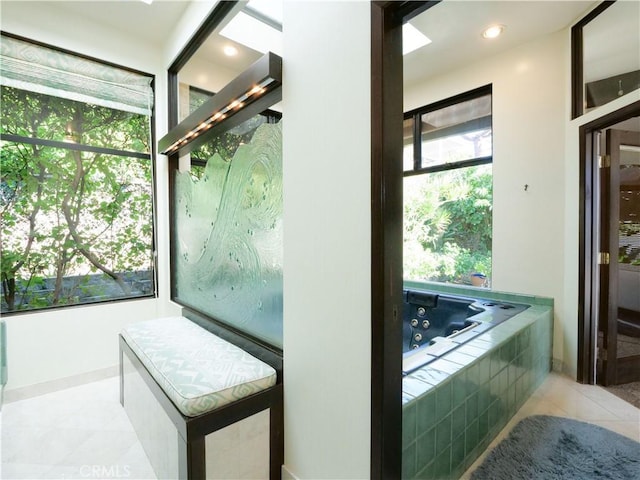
[76, 187]
[448, 190]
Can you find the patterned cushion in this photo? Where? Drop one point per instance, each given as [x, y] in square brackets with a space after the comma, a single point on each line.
[197, 370]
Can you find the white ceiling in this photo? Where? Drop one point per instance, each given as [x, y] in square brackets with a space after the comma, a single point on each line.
[455, 28]
[150, 23]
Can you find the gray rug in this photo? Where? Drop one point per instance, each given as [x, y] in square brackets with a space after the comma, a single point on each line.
[544, 448]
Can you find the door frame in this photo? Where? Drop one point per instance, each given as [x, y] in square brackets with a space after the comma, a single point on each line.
[387, 116]
[588, 216]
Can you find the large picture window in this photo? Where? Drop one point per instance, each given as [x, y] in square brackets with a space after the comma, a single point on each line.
[448, 189]
[76, 190]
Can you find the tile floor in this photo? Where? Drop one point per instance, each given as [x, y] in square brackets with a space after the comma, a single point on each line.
[83, 432]
[80, 432]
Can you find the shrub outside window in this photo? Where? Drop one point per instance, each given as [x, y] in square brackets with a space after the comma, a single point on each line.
[76, 188]
[448, 188]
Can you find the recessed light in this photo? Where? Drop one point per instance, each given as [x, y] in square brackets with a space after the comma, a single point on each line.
[148, 2]
[493, 31]
[230, 50]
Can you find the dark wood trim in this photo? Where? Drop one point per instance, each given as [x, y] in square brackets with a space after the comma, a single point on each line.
[386, 241]
[587, 216]
[412, 9]
[268, 67]
[577, 53]
[221, 10]
[79, 147]
[586, 302]
[473, 162]
[448, 102]
[387, 18]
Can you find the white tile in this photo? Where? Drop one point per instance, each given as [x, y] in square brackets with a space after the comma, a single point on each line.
[22, 471]
[80, 432]
[628, 429]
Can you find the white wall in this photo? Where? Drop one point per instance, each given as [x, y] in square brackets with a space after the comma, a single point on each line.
[48, 346]
[529, 114]
[327, 341]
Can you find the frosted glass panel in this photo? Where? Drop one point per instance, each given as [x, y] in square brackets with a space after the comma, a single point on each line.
[228, 235]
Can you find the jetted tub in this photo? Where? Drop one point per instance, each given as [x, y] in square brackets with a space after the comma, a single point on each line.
[435, 324]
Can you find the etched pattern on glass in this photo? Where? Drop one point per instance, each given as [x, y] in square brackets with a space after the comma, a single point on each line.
[229, 237]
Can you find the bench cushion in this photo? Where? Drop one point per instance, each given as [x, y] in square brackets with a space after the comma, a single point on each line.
[197, 370]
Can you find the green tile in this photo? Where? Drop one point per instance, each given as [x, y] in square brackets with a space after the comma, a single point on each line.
[494, 386]
[443, 399]
[409, 413]
[484, 370]
[472, 407]
[471, 350]
[497, 364]
[511, 401]
[409, 462]
[443, 434]
[495, 410]
[443, 365]
[484, 398]
[460, 358]
[508, 351]
[457, 454]
[513, 374]
[430, 376]
[495, 336]
[406, 398]
[427, 473]
[458, 421]
[503, 379]
[523, 339]
[473, 380]
[426, 449]
[426, 413]
[459, 389]
[471, 437]
[483, 425]
[414, 386]
[442, 465]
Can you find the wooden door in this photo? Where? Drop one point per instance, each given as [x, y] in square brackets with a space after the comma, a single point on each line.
[619, 193]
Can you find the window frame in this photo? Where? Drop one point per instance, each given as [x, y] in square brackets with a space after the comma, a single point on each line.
[151, 157]
[416, 113]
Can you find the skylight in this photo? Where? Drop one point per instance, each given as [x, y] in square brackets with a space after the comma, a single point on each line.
[269, 8]
[412, 39]
[253, 33]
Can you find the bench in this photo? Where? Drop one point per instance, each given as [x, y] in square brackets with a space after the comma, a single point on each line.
[201, 406]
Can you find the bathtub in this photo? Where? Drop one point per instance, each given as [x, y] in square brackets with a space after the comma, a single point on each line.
[478, 368]
[435, 324]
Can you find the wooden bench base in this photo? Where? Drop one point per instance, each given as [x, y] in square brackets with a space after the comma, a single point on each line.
[152, 409]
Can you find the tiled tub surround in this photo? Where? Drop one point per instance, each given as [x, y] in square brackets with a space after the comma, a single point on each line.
[454, 406]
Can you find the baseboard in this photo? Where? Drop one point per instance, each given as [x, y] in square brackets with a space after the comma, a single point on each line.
[22, 393]
[287, 475]
[557, 365]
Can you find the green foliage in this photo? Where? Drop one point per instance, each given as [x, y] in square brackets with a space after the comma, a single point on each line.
[66, 212]
[629, 250]
[447, 225]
